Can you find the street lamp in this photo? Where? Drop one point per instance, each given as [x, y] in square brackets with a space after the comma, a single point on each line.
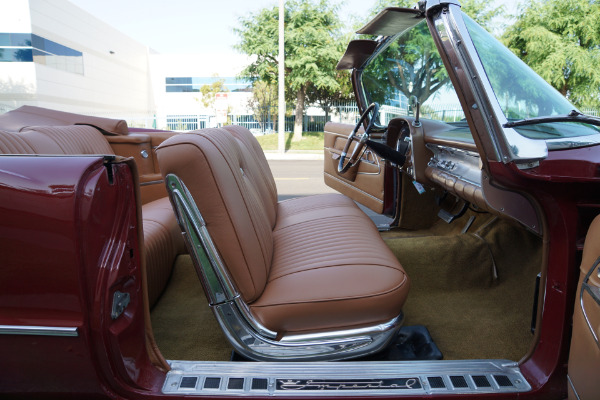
[281, 82]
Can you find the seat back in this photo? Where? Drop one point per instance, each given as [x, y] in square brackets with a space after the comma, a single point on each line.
[252, 149]
[74, 139]
[233, 198]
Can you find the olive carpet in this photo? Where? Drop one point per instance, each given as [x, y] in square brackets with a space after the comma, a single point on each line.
[474, 290]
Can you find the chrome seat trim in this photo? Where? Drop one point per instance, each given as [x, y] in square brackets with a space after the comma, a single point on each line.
[243, 330]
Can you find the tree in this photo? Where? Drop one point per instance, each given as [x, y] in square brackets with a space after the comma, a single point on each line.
[326, 97]
[311, 50]
[264, 103]
[559, 40]
[417, 68]
[209, 92]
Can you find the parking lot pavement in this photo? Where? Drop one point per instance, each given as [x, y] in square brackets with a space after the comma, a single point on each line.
[296, 178]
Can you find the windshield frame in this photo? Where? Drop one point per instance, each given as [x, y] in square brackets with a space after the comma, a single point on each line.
[513, 145]
[454, 42]
[383, 46]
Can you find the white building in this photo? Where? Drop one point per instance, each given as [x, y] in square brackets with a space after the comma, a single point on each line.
[55, 55]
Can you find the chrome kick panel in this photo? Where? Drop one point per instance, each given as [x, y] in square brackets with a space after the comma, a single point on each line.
[344, 378]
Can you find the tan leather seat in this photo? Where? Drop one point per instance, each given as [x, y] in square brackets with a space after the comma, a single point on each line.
[26, 117]
[584, 356]
[162, 238]
[302, 265]
[162, 244]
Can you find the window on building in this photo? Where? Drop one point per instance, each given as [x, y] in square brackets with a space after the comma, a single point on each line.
[28, 47]
[193, 84]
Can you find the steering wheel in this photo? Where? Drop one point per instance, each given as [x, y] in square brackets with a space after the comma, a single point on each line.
[361, 143]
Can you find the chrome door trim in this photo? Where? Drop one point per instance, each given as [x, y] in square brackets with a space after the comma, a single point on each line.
[38, 330]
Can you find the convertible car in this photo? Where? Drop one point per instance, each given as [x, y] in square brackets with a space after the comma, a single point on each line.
[149, 264]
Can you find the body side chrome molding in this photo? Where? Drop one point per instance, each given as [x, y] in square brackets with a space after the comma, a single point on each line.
[38, 330]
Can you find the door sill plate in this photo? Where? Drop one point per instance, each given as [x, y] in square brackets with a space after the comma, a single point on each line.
[344, 378]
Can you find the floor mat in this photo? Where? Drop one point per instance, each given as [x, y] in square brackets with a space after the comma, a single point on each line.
[412, 343]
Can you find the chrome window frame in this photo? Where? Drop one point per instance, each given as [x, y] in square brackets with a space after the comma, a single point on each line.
[510, 145]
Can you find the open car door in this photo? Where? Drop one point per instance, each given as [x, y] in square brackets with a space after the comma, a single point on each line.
[584, 359]
[364, 181]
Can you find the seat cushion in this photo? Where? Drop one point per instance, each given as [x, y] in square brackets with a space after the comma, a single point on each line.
[162, 242]
[303, 209]
[330, 270]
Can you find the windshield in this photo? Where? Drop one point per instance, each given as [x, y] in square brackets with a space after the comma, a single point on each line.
[521, 92]
[410, 65]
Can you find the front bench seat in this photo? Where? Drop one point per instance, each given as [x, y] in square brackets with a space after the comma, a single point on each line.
[304, 279]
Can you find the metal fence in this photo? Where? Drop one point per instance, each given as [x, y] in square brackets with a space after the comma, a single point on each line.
[313, 121]
[187, 122]
[310, 123]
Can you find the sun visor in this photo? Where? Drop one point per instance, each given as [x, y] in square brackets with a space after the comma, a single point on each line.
[357, 53]
[392, 20]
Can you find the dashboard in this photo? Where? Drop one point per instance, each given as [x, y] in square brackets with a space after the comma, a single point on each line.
[444, 155]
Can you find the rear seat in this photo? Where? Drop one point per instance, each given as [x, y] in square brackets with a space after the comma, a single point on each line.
[162, 238]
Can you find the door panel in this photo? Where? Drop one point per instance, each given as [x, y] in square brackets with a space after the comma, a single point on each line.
[584, 358]
[363, 183]
[141, 146]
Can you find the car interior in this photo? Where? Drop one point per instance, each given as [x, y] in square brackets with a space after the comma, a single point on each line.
[471, 281]
[248, 293]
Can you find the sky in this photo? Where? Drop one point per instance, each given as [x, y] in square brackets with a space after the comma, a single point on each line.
[193, 26]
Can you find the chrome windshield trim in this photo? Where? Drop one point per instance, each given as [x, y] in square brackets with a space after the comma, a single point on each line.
[508, 142]
[38, 330]
[573, 142]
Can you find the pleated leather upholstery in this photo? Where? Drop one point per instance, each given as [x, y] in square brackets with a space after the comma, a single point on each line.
[321, 265]
[261, 171]
[330, 269]
[76, 139]
[162, 243]
[213, 168]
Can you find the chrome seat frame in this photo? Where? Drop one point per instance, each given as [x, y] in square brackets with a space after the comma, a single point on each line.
[243, 330]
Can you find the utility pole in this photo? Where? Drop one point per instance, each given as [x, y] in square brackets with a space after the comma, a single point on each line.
[281, 82]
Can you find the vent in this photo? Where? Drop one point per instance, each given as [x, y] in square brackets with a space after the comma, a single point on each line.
[235, 383]
[481, 381]
[212, 383]
[260, 384]
[459, 381]
[188, 382]
[436, 382]
[503, 381]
